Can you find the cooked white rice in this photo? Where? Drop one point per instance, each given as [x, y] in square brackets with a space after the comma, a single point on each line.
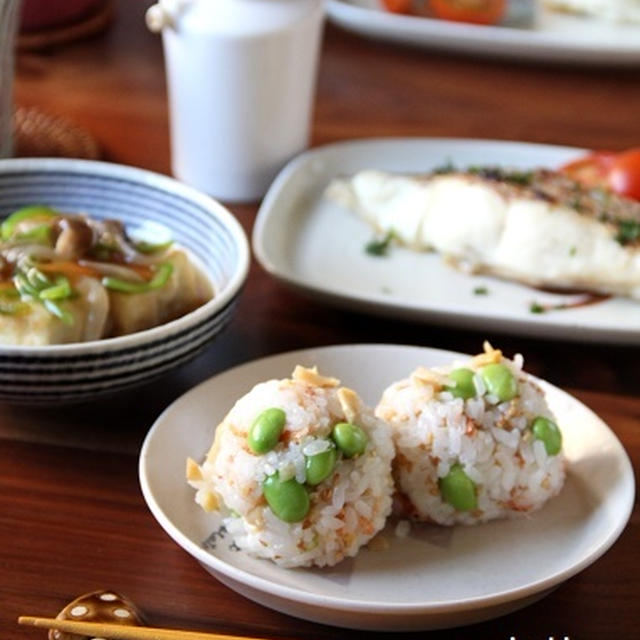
[491, 440]
[346, 509]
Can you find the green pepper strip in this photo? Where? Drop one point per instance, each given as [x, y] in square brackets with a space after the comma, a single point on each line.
[41, 233]
[59, 291]
[26, 213]
[33, 285]
[58, 311]
[24, 287]
[149, 247]
[160, 278]
[37, 279]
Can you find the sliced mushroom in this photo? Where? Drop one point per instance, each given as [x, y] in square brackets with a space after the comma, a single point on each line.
[98, 606]
[75, 237]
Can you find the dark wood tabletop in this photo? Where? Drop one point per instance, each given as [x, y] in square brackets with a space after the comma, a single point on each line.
[72, 516]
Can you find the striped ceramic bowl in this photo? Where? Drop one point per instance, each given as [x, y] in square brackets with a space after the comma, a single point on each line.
[82, 371]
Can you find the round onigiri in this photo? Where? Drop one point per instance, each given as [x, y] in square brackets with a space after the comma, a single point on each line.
[475, 441]
[326, 512]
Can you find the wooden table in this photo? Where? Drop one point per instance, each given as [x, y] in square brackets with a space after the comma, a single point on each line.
[72, 517]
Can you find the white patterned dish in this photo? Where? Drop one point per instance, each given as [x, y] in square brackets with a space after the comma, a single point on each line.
[553, 37]
[317, 247]
[82, 371]
[435, 578]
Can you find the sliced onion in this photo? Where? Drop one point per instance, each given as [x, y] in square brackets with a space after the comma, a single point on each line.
[19, 252]
[131, 254]
[96, 301]
[114, 270]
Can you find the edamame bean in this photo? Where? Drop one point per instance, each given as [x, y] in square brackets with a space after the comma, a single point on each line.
[320, 466]
[458, 489]
[547, 431]
[349, 438]
[266, 430]
[288, 500]
[499, 381]
[463, 387]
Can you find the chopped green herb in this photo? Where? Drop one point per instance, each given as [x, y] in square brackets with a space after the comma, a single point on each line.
[628, 231]
[520, 177]
[543, 308]
[573, 251]
[576, 203]
[379, 247]
[523, 178]
[481, 291]
[447, 167]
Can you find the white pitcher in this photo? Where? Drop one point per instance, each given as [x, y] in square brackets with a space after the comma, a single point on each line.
[241, 78]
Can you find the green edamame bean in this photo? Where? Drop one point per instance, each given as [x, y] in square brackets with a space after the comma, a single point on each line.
[499, 381]
[547, 431]
[319, 466]
[463, 387]
[458, 489]
[288, 500]
[266, 430]
[349, 438]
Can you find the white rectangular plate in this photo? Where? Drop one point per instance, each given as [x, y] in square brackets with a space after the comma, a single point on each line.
[316, 246]
[552, 37]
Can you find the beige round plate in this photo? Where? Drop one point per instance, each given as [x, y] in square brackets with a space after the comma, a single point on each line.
[437, 577]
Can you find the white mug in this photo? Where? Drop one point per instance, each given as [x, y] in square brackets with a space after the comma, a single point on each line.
[241, 78]
[9, 12]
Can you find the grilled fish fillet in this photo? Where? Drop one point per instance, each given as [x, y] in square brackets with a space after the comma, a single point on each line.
[540, 228]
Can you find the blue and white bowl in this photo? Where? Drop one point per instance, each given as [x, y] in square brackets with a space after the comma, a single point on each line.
[82, 371]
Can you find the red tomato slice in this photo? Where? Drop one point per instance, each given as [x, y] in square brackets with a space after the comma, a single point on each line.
[475, 11]
[398, 6]
[623, 175]
[591, 169]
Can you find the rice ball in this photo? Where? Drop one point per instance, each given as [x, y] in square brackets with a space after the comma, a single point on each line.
[475, 441]
[300, 470]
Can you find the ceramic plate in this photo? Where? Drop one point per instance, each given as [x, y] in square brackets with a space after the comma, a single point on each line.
[318, 247]
[551, 37]
[437, 577]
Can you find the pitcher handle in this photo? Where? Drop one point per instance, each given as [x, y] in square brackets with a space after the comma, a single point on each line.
[164, 14]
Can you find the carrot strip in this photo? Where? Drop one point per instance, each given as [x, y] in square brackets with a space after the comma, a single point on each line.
[67, 268]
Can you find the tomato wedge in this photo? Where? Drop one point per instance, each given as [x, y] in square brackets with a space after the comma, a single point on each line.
[618, 171]
[591, 169]
[623, 176]
[398, 6]
[474, 11]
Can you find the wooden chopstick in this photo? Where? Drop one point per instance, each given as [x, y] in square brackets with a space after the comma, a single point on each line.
[122, 631]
